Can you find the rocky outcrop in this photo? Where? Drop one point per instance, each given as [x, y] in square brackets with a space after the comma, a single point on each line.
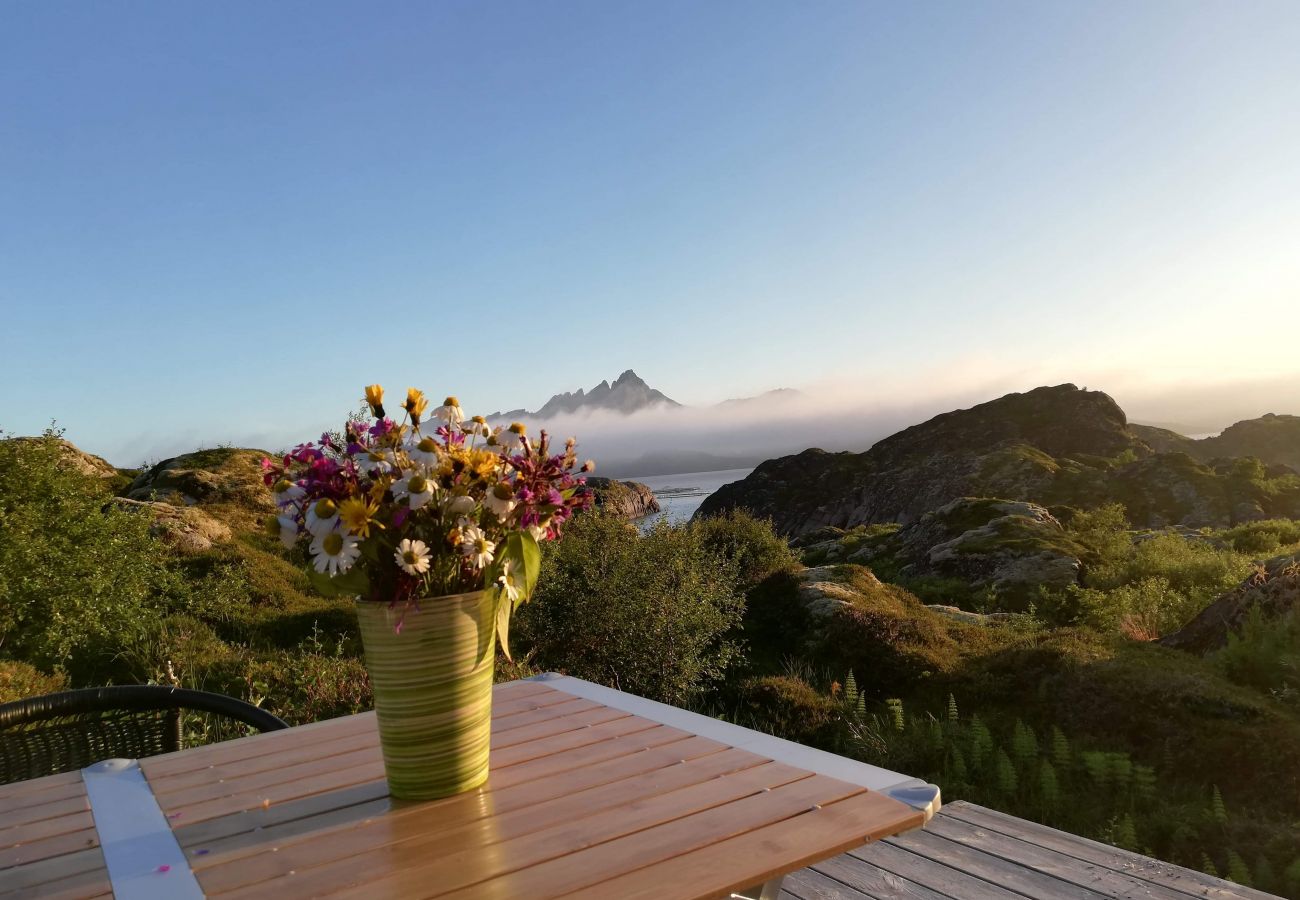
[227, 476]
[1053, 446]
[625, 499]
[1273, 589]
[185, 529]
[1272, 439]
[1007, 545]
[76, 459]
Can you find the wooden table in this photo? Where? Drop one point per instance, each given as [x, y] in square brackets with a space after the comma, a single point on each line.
[593, 793]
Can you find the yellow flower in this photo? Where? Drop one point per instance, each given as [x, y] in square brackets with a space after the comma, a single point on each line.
[358, 514]
[375, 397]
[380, 487]
[415, 404]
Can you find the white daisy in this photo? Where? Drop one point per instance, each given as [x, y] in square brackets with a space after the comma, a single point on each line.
[476, 427]
[412, 557]
[477, 547]
[322, 517]
[415, 489]
[509, 582]
[335, 553]
[501, 499]
[461, 506]
[424, 451]
[513, 437]
[450, 412]
[286, 492]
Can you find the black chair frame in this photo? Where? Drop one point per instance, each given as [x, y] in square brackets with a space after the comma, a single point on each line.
[73, 729]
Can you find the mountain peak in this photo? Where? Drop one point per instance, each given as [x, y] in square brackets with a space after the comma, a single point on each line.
[628, 394]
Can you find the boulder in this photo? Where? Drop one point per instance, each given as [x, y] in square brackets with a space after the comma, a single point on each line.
[1012, 546]
[625, 499]
[186, 529]
[224, 476]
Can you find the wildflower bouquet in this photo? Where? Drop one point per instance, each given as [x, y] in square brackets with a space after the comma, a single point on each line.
[396, 511]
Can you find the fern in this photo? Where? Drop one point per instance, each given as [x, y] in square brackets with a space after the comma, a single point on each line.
[1238, 871]
[1207, 866]
[896, 714]
[1024, 745]
[952, 709]
[1218, 811]
[1005, 773]
[1062, 756]
[1126, 833]
[1144, 783]
[1049, 789]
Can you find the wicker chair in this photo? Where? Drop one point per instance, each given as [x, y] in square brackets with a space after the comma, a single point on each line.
[70, 730]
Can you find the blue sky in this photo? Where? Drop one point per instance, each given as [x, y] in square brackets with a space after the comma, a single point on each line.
[220, 220]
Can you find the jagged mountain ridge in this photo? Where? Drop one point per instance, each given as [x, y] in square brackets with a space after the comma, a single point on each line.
[627, 394]
[1056, 445]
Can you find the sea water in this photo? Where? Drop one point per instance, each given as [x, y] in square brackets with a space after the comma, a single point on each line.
[681, 495]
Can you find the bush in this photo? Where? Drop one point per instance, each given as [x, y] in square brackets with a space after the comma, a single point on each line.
[648, 613]
[81, 577]
[18, 681]
[749, 544]
[791, 708]
[1265, 538]
[1265, 654]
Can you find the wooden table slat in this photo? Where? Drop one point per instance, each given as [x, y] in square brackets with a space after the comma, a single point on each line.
[718, 815]
[446, 831]
[502, 800]
[588, 795]
[52, 869]
[755, 856]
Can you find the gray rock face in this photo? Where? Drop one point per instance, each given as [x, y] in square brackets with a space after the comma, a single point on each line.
[1273, 588]
[186, 529]
[1009, 545]
[625, 499]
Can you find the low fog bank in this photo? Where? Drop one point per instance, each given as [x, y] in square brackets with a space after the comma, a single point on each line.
[842, 414]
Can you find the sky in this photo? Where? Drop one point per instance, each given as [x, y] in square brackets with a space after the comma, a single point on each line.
[220, 221]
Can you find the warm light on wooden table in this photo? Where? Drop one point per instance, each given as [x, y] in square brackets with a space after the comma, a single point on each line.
[586, 799]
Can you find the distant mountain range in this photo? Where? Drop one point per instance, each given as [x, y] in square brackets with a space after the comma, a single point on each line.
[628, 394]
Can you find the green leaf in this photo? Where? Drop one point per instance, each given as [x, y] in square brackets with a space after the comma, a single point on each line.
[531, 556]
[504, 609]
[352, 583]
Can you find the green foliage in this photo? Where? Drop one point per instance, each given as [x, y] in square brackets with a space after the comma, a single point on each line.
[1267, 538]
[81, 577]
[1265, 654]
[649, 613]
[19, 680]
[748, 544]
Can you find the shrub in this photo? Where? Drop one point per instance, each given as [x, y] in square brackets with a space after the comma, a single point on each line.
[19, 681]
[648, 613]
[80, 576]
[749, 544]
[1265, 654]
[791, 708]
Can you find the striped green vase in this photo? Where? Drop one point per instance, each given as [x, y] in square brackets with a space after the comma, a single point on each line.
[432, 682]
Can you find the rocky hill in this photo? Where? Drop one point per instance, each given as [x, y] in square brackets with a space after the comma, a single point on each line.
[1273, 439]
[628, 394]
[1054, 446]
